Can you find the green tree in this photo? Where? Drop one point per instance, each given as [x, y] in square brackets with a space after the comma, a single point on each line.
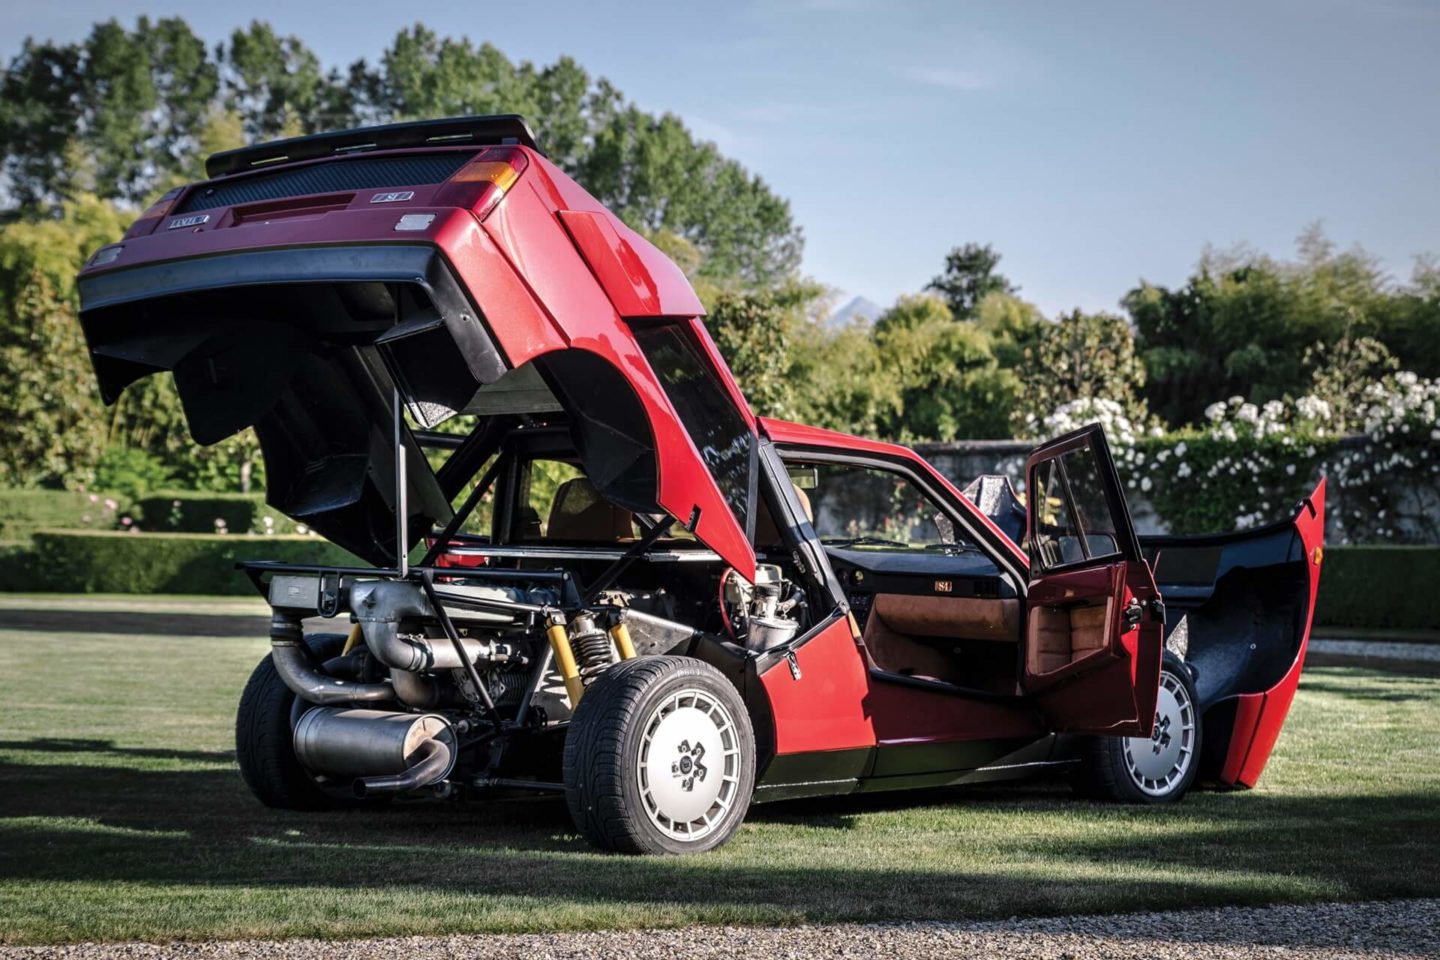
[1408, 321]
[53, 433]
[970, 276]
[1342, 371]
[1083, 355]
[1013, 325]
[843, 381]
[129, 100]
[274, 83]
[1242, 323]
[950, 384]
[758, 333]
[39, 114]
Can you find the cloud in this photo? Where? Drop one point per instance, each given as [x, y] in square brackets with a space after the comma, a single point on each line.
[949, 78]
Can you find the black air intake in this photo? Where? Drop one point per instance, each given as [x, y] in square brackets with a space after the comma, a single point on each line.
[335, 176]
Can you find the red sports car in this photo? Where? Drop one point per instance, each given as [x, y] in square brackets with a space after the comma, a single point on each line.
[596, 572]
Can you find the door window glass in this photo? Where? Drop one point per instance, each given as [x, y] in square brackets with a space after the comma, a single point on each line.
[1073, 520]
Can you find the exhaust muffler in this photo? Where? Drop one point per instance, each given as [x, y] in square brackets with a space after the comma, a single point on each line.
[384, 752]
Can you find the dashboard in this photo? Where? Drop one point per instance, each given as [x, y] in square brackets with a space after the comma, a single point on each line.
[863, 573]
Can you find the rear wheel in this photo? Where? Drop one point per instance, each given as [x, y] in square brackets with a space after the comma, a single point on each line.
[1156, 769]
[660, 758]
[264, 736]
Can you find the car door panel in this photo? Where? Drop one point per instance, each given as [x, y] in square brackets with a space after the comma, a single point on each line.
[816, 690]
[1094, 619]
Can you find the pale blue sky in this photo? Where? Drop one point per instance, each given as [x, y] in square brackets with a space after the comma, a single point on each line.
[1092, 143]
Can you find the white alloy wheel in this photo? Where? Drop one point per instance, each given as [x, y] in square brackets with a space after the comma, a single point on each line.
[1158, 764]
[689, 765]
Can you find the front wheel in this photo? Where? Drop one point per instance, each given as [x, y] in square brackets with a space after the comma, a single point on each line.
[659, 758]
[1156, 769]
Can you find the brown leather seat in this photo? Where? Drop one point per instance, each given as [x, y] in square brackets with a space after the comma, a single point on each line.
[579, 513]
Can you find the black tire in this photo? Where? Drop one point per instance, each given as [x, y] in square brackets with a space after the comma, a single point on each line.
[264, 740]
[1106, 771]
[604, 787]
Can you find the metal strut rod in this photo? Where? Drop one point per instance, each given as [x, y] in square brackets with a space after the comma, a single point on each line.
[427, 583]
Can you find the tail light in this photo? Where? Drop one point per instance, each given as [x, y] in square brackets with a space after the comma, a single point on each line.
[483, 182]
[153, 215]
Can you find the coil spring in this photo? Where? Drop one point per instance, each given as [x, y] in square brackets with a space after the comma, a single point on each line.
[592, 649]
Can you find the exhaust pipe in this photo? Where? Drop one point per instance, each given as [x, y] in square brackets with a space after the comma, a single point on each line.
[292, 662]
[383, 752]
[381, 605]
[433, 761]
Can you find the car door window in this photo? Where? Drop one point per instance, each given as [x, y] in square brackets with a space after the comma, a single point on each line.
[1073, 519]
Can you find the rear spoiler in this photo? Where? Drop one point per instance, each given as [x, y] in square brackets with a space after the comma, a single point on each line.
[507, 128]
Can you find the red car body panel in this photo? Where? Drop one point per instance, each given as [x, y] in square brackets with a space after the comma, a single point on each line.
[547, 286]
[825, 709]
[1259, 716]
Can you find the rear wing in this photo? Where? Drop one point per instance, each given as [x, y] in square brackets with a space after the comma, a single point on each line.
[451, 131]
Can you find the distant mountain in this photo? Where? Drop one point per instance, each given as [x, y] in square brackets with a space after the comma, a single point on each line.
[866, 310]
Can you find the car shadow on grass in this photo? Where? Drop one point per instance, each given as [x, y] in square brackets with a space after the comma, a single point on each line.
[144, 822]
[137, 623]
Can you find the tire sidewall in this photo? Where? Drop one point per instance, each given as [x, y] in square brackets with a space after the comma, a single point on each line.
[264, 728]
[1175, 667]
[680, 673]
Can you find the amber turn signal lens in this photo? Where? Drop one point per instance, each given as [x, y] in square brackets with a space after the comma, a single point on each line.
[483, 182]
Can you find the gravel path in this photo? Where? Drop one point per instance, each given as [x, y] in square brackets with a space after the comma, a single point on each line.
[1378, 649]
[1405, 928]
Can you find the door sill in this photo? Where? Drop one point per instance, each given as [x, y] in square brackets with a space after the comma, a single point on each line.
[940, 686]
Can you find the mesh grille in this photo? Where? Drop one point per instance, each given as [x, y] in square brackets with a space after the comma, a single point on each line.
[363, 173]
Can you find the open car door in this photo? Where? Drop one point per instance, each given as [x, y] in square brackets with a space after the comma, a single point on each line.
[1094, 628]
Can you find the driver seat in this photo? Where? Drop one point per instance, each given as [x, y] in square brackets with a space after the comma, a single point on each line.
[579, 513]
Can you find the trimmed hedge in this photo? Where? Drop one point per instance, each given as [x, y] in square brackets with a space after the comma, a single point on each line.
[1380, 587]
[22, 512]
[176, 511]
[115, 562]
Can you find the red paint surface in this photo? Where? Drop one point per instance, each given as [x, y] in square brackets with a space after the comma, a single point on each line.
[827, 708]
[638, 279]
[535, 290]
[1260, 716]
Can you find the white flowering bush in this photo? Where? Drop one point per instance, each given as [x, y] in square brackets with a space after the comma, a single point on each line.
[1392, 481]
[1249, 463]
[1075, 414]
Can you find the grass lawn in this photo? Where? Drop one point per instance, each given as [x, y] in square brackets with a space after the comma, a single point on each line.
[122, 816]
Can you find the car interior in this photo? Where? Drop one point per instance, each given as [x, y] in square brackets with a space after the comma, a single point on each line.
[932, 607]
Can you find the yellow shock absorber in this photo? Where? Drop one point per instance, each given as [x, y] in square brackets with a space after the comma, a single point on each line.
[565, 660]
[621, 635]
[353, 640]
